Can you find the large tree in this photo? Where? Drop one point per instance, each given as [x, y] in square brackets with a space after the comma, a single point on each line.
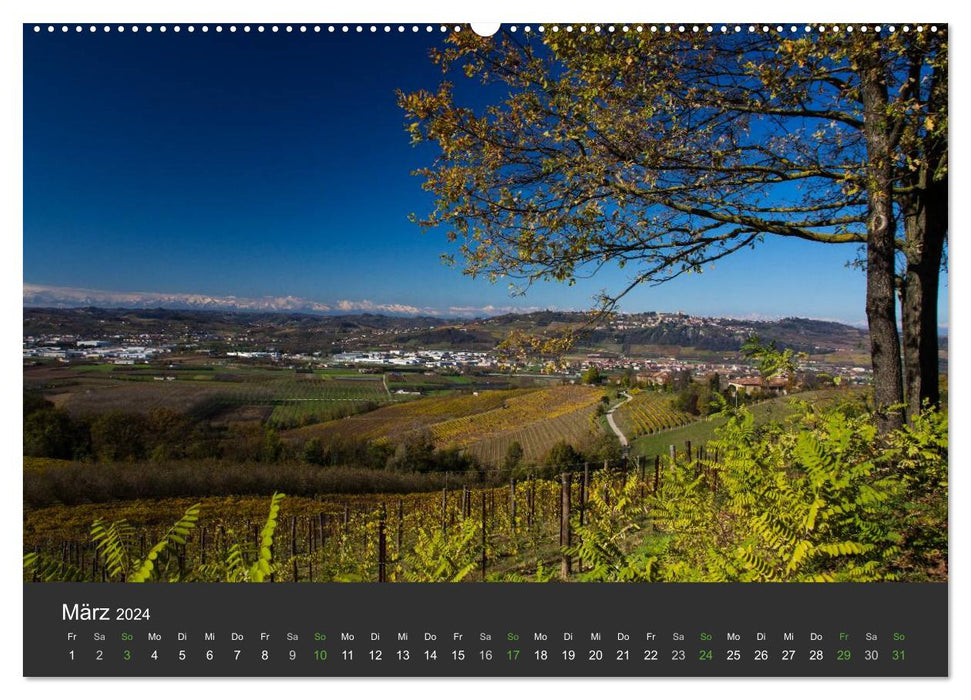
[667, 151]
[921, 189]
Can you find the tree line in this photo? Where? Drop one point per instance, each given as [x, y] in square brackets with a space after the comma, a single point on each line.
[163, 436]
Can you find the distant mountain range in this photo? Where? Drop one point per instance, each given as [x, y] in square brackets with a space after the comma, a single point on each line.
[36, 295]
[300, 323]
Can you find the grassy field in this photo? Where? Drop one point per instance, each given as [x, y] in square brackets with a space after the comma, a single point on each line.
[703, 430]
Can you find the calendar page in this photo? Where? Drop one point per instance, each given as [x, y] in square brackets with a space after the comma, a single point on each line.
[448, 349]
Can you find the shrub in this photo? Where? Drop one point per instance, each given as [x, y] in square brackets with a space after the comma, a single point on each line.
[820, 498]
[562, 454]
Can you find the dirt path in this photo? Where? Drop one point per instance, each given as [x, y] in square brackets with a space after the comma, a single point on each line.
[610, 419]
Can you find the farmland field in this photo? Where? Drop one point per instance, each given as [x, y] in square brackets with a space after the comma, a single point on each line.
[324, 538]
[345, 524]
[482, 424]
[541, 405]
[538, 437]
[429, 383]
[46, 524]
[336, 406]
[292, 398]
[537, 421]
[402, 418]
[649, 412]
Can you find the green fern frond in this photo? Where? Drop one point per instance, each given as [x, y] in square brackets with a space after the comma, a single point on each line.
[144, 569]
[42, 568]
[263, 566]
[112, 541]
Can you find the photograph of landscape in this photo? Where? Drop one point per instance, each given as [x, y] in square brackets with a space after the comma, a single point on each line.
[568, 303]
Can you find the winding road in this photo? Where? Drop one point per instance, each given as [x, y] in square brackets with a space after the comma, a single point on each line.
[610, 419]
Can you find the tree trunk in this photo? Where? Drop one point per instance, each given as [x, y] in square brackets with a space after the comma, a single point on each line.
[925, 224]
[881, 299]
[926, 229]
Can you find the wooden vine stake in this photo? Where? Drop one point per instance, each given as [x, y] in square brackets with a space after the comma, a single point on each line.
[382, 545]
[565, 483]
[483, 536]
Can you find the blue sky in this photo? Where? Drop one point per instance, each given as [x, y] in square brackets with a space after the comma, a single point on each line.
[277, 164]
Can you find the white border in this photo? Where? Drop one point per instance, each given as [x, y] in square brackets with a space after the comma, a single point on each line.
[435, 11]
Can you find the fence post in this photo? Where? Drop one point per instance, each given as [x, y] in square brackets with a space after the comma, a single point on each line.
[657, 473]
[687, 449]
[322, 540]
[586, 485]
[444, 505]
[382, 545]
[565, 483]
[532, 500]
[640, 471]
[512, 503]
[401, 527]
[584, 490]
[293, 535]
[483, 535]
